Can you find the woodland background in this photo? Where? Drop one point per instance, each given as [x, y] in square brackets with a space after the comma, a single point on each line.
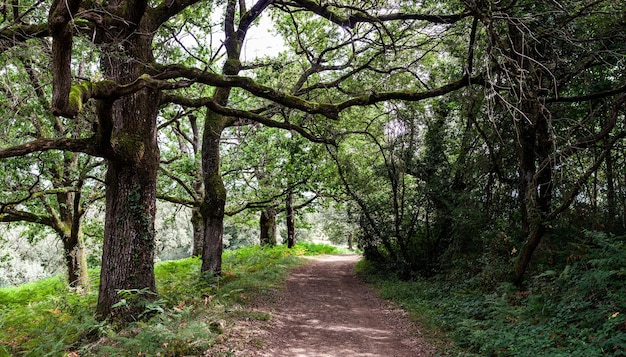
[478, 143]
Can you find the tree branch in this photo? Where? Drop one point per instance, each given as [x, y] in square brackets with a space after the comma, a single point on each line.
[587, 97]
[86, 146]
[266, 203]
[166, 10]
[20, 33]
[59, 17]
[330, 111]
[178, 200]
[10, 215]
[325, 11]
[244, 114]
[178, 180]
[410, 96]
[571, 195]
[227, 81]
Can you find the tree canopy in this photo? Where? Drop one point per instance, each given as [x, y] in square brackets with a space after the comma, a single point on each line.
[448, 123]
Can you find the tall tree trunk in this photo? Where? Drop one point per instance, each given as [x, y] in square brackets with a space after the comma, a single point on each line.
[535, 146]
[129, 124]
[611, 205]
[215, 195]
[76, 262]
[291, 223]
[212, 207]
[536, 187]
[350, 240]
[197, 224]
[68, 226]
[128, 249]
[268, 226]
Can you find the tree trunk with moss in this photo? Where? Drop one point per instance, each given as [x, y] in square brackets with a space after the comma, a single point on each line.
[128, 127]
[215, 192]
[214, 197]
[71, 212]
[76, 260]
[128, 249]
[291, 222]
[197, 224]
[267, 224]
[69, 228]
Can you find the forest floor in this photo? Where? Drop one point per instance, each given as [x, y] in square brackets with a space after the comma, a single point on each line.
[325, 310]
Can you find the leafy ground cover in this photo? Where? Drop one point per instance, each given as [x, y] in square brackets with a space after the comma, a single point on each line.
[47, 319]
[574, 309]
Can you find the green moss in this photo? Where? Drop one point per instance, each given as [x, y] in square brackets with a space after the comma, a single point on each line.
[216, 185]
[78, 94]
[129, 147]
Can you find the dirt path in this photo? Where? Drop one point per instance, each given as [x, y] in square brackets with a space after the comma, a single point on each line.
[325, 311]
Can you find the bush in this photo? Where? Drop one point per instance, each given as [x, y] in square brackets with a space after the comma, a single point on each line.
[578, 309]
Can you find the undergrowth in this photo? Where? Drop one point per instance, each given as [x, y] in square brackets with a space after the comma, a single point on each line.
[578, 308]
[46, 318]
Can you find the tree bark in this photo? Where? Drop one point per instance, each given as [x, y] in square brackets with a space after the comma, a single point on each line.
[197, 224]
[215, 195]
[76, 261]
[128, 249]
[611, 205]
[291, 224]
[74, 245]
[535, 145]
[68, 222]
[129, 124]
[350, 240]
[212, 207]
[268, 227]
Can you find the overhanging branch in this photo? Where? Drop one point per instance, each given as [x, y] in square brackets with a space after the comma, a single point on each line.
[587, 97]
[86, 146]
[408, 95]
[227, 81]
[178, 200]
[10, 215]
[328, 110]
[325, 11]
[244, 114]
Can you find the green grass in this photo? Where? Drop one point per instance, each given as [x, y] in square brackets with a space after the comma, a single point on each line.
[317, 249]
[31, 292]
[45, 318]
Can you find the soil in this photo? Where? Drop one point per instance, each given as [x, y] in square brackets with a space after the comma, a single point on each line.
[323, 311]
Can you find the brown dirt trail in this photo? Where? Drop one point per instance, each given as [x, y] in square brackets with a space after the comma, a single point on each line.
[326, 311]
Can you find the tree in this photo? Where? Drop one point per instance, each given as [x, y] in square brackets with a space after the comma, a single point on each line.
[63, 187]
[272, 171]
[125, 134]
[59, 207]
[180, 181]
[136, 78]
[536, 76]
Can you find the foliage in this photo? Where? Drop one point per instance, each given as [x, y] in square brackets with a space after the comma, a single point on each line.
[575, 309]
[317, 248]
[467, 135]
[410, 179]
[22, 261]
[46, 318]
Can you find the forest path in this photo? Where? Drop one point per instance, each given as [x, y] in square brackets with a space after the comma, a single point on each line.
[326, 311]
